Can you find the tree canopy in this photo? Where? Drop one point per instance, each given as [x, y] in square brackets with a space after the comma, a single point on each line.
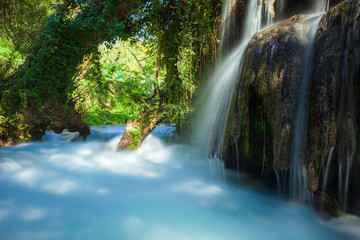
[63, 54]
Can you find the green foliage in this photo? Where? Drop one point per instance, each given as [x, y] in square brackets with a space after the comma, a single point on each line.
[20, 21]
[70, 34]
[10, 59]
[189, 47]
[15, 128]
[77, 57]
[136, 137]
[115, 89]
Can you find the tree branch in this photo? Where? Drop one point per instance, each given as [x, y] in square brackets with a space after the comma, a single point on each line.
[146, 57]
[147, 76]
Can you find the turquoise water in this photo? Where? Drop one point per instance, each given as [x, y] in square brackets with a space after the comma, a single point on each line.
[65, 188]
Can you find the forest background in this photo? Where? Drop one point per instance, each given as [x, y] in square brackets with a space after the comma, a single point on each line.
[74, 63]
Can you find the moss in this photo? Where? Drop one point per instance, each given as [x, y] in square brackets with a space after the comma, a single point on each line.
[317, 164]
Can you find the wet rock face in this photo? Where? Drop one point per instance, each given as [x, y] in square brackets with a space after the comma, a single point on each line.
[335, 100]
[334, 108]
[262, 114]
[266, 105]
[292, 7]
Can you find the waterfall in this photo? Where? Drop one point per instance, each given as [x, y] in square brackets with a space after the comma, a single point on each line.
[220, 90]
[226, 76]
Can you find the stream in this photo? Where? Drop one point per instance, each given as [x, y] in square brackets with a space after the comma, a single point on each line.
[65, 188]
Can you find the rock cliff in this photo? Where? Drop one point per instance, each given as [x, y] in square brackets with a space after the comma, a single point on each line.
[260, 127]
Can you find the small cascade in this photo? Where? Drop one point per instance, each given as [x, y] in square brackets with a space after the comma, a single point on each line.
[344, 181]
[326, 166]
[218, 100]
[322, 5]
[346, 127]
[227, 18]
[253, 18]
[282, 5]
[349, 162]
[269, 11]
[298, 172]
[260, 12]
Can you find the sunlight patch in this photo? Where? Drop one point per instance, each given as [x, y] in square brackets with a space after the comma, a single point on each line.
[39, 235]
[7, 202]
[47, 181]
[133, 222]
[4, 213]
[102, 191]
[124, 163]
[32, 214]
[85, 152]
[72, 162]
[8, 165]
[30, 176]
[198, 188]
[60, 187]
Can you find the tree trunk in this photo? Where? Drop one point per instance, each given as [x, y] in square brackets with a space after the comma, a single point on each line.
[137, 130]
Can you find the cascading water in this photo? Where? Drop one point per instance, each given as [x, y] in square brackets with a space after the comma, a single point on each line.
[226, 19]
[269, 11]
[253, 18]
[346, 125]
[322, 5]
[220, 91]
[298, 176]
[326, 169]
[346, 128]
[61, 188]
[226, 77]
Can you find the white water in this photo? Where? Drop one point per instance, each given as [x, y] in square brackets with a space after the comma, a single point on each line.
[58, 189]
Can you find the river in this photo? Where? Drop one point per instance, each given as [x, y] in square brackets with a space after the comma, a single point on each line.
[64, 188]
